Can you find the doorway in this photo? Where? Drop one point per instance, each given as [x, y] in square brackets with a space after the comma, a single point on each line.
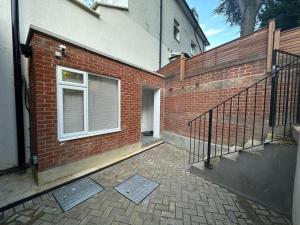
[150, 116]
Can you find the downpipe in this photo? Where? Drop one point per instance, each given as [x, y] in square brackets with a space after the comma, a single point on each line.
[18, 84]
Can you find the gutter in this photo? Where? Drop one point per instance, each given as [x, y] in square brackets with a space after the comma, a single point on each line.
[160, 33]
[18, 83]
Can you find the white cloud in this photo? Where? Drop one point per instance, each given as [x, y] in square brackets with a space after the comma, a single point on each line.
[202, 25]
[212, 31]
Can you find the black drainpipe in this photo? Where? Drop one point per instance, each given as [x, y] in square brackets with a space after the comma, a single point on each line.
[18, 82]
[160, 32]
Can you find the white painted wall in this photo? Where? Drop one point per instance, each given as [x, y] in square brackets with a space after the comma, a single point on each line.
[173, 11]
[148, 16]
[296, 196]
[114, 33]
[124, 34]
[156, 116]
[147, 110]
[123, 3]
[8, 135]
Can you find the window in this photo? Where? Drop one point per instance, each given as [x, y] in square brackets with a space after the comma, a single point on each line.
[176, 30]
[193, 48]
[88, 104]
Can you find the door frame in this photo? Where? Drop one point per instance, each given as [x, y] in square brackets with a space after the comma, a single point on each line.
[156, 109]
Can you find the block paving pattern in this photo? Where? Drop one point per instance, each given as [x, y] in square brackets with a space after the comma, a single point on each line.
[181, 198]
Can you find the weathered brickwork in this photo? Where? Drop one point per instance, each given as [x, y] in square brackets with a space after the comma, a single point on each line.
[43, 114]
[184, 100]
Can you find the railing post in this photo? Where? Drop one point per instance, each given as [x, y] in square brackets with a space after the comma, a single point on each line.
[287, 100]
[190, 126]
[207, 162]
[272, 117]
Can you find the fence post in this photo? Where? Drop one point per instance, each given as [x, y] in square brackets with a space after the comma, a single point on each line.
[207, 162]
[298, 102]
[270, 45]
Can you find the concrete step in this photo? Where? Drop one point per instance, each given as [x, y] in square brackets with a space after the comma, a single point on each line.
[151, 142]
[263, 174]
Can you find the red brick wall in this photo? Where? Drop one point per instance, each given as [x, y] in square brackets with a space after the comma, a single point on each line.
[195, 95]
[44, 136]
[171, 69]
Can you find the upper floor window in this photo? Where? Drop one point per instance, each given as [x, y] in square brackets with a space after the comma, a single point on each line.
[193, 48]
[176, 32]
[87, 104]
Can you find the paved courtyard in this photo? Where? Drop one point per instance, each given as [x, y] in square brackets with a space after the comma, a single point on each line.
[181, 198]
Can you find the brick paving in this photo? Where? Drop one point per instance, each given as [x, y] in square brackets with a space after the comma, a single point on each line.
[181, 198]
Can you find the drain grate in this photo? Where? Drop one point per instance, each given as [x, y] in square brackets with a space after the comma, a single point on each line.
[75, 193]
[136, 188]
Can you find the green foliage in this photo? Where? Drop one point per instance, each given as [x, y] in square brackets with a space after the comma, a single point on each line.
[285, 12]
[230, 10]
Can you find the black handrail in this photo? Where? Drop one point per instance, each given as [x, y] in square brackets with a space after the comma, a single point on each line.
[239, 121]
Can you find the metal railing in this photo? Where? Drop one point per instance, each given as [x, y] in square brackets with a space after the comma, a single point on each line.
[261, 113]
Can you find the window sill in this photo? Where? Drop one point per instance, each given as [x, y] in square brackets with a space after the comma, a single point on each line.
[90, 134]
[95, 5]
[85, 8]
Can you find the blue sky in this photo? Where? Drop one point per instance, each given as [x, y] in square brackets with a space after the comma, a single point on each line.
[214, 26]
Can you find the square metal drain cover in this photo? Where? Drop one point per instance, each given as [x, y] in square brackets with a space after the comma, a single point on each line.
[136, 188]
[75, 193]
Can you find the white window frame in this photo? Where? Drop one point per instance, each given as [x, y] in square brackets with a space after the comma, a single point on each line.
[82, 87]
[177, 27]
[193, 48]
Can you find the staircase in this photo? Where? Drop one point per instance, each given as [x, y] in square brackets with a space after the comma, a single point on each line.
[264, 175]
[244, 143]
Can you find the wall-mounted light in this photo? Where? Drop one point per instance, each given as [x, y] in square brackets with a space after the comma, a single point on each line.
[61, 52]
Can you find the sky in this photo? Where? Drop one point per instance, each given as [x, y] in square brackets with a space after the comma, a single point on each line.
[215, 28]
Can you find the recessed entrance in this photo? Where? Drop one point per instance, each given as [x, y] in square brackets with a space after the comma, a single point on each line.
[150, 118]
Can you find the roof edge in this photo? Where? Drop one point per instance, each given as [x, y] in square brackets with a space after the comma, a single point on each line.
[35, 29]
[206, 42]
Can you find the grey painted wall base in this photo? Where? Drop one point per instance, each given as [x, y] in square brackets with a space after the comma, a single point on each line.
[176, 140]
[264, 176]
[296, 196]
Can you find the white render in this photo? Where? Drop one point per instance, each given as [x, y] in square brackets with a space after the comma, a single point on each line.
[156, 116]
[130, 34]
[8, 134]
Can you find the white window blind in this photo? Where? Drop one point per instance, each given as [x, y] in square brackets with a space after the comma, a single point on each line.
[103, 103]
[73, 110]
[87, 104]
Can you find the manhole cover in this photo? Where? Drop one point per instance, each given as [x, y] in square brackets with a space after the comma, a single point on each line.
[73, 194]
[136, 188]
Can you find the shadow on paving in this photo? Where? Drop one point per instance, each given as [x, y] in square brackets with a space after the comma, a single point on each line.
[181, 198]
